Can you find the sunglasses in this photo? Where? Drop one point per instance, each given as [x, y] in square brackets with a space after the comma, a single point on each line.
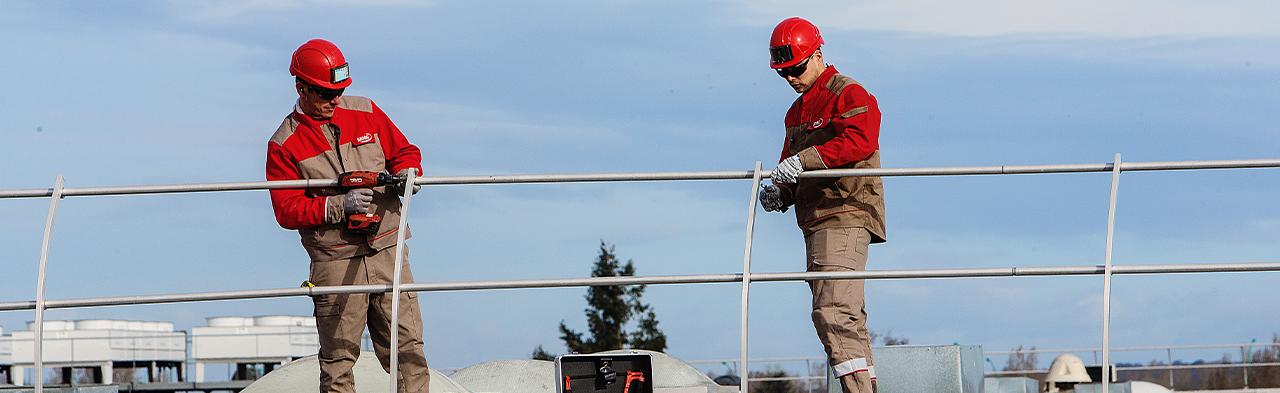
[325, 94]
[796, 70]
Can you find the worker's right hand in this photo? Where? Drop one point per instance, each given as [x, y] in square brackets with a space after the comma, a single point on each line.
[771, 199]
[357, 201]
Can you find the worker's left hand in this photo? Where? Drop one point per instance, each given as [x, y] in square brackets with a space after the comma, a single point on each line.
[771, 199]
[787, 170]
[400, 186]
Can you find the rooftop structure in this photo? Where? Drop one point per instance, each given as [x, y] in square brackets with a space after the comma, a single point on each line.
[102, 345]
[250, 343]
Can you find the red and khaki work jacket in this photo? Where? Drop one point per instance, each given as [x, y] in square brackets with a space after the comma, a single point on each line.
[359, 137]
[836, 124]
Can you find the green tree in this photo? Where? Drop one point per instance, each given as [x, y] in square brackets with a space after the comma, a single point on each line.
[775, 386]
[541, 354]
[1022, 361]
[1266, 376]
[610, 308]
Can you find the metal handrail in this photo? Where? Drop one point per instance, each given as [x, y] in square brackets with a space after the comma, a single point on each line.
[645, 280]
[58, 192]
[1179, 347]
[659, 176]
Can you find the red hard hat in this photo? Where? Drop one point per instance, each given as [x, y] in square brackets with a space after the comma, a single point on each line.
[320, 63]
[793, 41]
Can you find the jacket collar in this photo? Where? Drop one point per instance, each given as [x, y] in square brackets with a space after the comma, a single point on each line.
[821, 83]
[307, 120]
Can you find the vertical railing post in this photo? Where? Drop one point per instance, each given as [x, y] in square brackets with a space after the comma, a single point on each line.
[746, 273]
[1244, 360]
[395, 281]
[44, 267]
[1106, 278]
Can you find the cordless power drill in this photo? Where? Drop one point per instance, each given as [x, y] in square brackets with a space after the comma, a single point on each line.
[366, 223]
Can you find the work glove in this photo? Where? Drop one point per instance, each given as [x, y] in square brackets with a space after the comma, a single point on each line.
[400, 186]
[771, 199]
[787, 170]
[357, 201]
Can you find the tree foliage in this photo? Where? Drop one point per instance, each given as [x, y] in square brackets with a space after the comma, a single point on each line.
[887, 339]
[541, 354]
[774, 371]
[1020, 360]
[610, 308]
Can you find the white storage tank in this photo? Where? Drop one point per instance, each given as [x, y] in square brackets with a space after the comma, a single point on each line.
[304, 321]
[228, 321]
[94, 324]
[273, 320]
[52, 326]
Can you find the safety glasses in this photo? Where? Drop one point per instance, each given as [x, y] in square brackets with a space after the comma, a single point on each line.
[325, 94]
[796, 70]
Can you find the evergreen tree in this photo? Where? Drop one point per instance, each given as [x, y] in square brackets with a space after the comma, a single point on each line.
[541, 354]
[610, 307]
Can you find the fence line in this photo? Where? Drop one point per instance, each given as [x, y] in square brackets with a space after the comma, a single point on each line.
[1107, 270]
[659, 176]
[645, 280]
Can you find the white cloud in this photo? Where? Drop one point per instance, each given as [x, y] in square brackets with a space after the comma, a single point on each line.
[218, 10]
[1143, 18]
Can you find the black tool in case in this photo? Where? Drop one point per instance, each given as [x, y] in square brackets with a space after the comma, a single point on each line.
[598, 373]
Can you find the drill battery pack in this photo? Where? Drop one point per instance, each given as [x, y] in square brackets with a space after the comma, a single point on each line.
[601, 373]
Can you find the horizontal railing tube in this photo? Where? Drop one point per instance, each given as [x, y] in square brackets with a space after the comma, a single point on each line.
[649, 280]
[660, 176]
[1176, 347]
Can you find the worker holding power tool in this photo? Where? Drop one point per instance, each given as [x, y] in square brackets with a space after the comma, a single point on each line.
[834, 123]
[332, 136]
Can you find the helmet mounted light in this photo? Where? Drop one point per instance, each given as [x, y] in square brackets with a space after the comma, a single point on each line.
[320, 63]
[339, 74]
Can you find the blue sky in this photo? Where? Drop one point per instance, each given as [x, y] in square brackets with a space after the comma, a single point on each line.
[160, 92]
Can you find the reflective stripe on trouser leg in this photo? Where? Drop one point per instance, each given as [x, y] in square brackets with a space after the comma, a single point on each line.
[850, 367]
[839, 313]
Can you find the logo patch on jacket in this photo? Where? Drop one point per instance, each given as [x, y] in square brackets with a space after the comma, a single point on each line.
[817, 123]
[363, 139]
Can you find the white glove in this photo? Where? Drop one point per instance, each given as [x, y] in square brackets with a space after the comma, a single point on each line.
[357, 201]
[771, 199]
[400, 186]
[787, 170]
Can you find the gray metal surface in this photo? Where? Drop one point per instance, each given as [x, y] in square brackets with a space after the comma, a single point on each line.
[1118, 387]
[395, 280]
[68, 389]
[935, 369]
[746, 277]
[508, 376]
[1010, 385]
[746, 273]
[646, 280]
[303, 376]
[44, 267]
[1106, 274]
[663, 176]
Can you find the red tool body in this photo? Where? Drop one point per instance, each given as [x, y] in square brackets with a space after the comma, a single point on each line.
[366, 223]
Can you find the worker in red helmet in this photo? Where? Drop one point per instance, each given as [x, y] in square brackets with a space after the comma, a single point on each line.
[325, 135]
[834, 123]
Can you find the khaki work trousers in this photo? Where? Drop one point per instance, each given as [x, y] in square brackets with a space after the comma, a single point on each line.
[341, 319]
[839, 306]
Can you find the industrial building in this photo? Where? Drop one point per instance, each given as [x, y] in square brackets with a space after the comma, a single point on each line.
[104, 351]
